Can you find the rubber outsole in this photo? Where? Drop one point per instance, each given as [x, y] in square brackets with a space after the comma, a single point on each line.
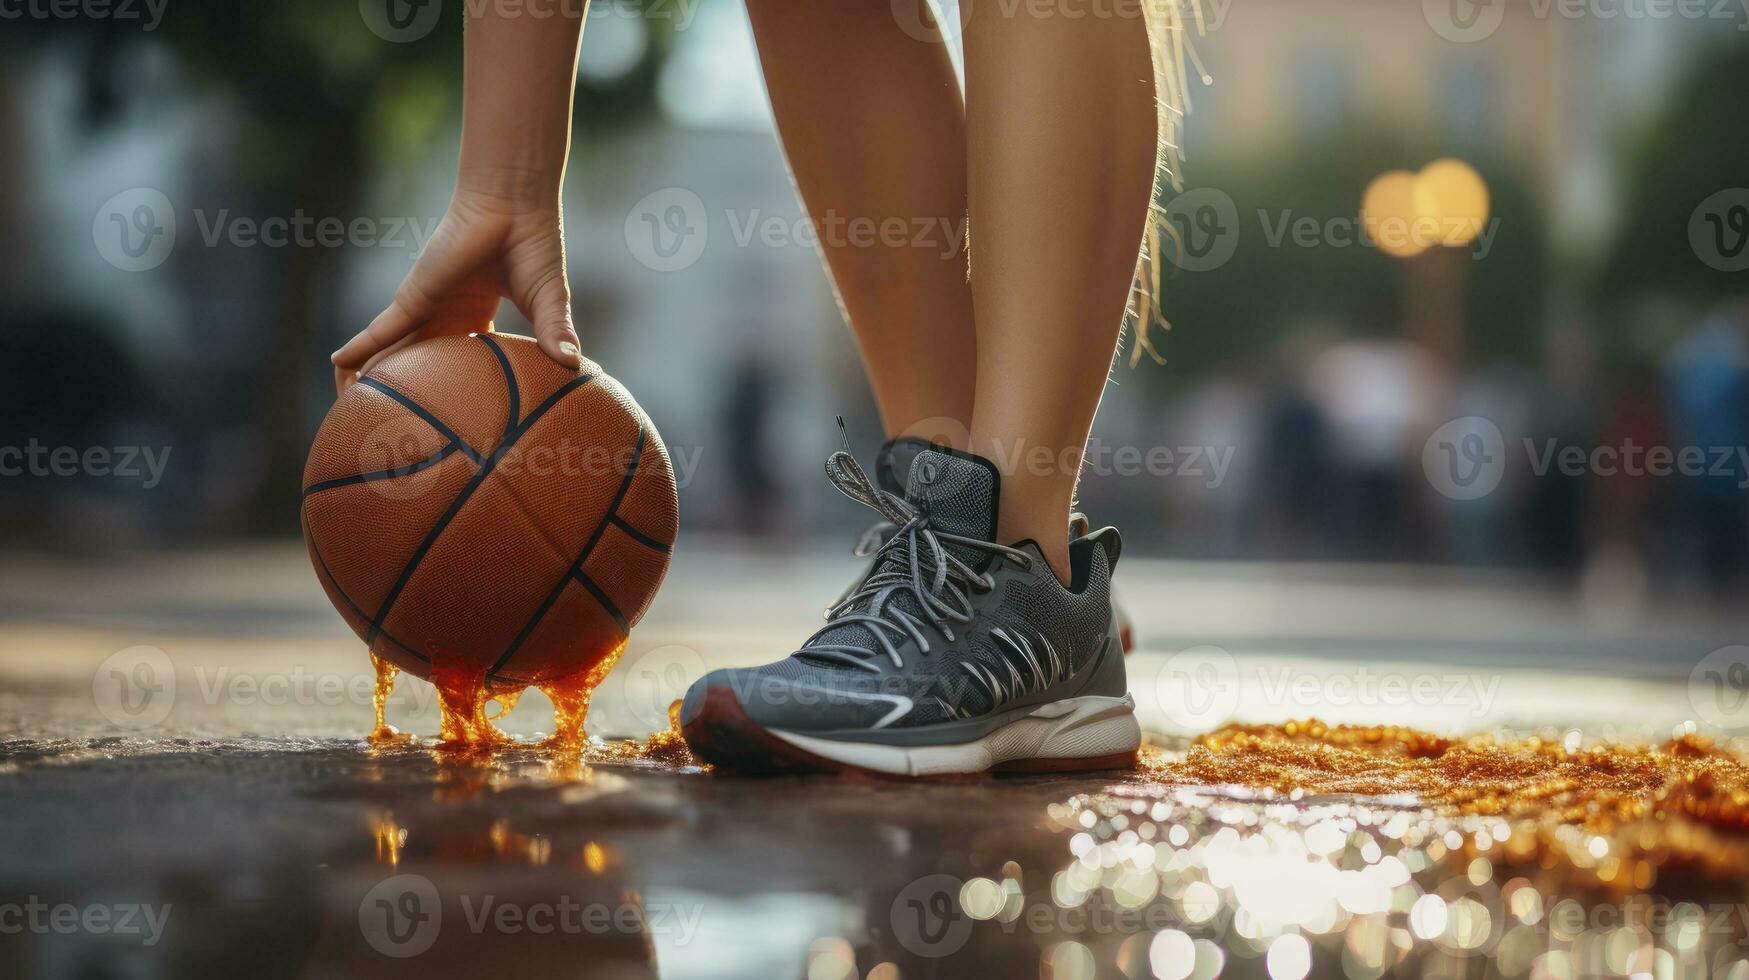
[722, 734]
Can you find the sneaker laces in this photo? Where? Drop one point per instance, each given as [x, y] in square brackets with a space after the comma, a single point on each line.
[914, 561]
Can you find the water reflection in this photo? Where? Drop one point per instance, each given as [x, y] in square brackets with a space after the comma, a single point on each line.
[1306, 849]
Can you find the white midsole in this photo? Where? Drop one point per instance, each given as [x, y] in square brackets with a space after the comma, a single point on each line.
[1073, 728]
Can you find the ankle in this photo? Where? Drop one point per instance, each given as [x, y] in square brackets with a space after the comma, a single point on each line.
[1052, 541]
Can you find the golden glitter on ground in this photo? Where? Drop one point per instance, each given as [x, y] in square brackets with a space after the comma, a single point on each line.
[1682, 803]
[1598, 786]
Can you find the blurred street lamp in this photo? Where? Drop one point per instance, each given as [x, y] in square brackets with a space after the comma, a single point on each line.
[1410, 215]
[1453, 193]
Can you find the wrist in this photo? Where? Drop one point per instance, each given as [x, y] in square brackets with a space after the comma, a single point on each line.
[518, 185]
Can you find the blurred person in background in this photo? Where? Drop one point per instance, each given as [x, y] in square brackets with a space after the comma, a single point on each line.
[1294, 485]
[1706, 393]
[1375, 397]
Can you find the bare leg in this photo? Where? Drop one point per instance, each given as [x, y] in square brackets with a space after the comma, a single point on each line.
[874, 128]
[1061, 134]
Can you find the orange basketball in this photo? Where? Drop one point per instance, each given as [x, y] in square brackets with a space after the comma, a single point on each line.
[473, 501]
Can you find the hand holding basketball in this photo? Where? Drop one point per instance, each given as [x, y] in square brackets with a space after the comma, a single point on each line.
[490, 245]
[471, 502]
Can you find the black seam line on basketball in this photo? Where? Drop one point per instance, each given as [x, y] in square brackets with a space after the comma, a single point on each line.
[639, 536]
[426, 416]
[546, 605]
[606, 603]
[316, 549]
[407, 469]
[514, 409]
[461, 499]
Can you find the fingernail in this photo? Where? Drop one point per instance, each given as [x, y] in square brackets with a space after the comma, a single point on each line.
[570, 350]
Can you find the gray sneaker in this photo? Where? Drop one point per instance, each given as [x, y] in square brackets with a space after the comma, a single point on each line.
[892, 467]
[953, 653]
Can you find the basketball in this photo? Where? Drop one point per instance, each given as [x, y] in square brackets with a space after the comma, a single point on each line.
[471, 502]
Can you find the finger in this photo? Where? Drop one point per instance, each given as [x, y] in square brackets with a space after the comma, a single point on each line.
[445, 264]
[548, 309]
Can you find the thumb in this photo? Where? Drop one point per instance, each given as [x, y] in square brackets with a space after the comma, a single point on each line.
[549, 310]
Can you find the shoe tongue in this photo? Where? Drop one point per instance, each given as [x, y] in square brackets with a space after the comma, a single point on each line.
[893, 463]
[958, 491]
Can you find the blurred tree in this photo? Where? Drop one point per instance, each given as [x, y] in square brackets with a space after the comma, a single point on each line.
[1299, 256]
[1695, 148]
[327, 94]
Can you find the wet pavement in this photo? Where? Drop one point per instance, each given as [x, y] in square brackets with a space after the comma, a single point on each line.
[185, 790]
